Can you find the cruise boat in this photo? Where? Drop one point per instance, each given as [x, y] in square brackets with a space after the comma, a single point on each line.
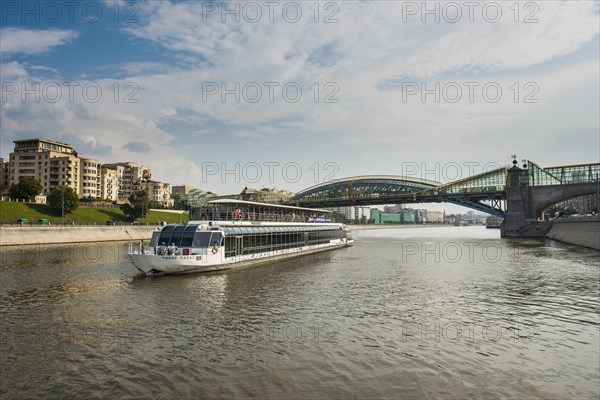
[203, 245]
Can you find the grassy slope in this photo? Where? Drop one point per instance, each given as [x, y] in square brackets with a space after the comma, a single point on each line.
[10, 212]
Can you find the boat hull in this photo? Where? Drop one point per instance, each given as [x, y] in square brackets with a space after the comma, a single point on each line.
[151, 264]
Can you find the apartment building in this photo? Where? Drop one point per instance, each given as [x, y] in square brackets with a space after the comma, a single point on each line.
[159, 193]
[57, 164]
[132, 177]
[111, 178]
[52, 163]
[89, 180]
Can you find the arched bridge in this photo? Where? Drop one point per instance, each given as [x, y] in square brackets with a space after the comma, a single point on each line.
[362, 190]
[486, 191]
[538, 187]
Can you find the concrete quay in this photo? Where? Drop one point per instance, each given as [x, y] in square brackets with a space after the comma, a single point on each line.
[581, 232]
[30, 235]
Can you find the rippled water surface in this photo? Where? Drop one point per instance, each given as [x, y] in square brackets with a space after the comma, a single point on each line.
[405, 313]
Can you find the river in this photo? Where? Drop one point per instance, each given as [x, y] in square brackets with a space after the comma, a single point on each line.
[445, 312]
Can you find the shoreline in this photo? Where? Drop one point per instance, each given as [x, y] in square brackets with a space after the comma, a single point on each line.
[353, 227]
[580, 233]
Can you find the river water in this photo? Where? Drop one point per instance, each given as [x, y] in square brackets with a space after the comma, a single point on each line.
[448, 312]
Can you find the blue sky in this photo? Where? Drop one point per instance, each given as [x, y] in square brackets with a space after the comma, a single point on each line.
[355, 63]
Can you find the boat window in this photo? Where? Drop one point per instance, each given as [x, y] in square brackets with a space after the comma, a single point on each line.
[154, 240]
[177, 234]
[188, 236]
[215, 239]
[165, 235]
[202, 239]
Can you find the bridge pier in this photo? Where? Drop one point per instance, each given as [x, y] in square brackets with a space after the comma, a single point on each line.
[521, 219]
[514, 219]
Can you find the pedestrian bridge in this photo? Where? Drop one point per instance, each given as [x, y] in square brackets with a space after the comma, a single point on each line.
[486, 192]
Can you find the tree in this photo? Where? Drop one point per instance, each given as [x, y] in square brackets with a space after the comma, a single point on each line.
[138, 206]
[178, 202]
[338, 217]
[63, 198]
[26, 189]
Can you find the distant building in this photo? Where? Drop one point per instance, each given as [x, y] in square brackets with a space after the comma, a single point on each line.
[181, 190]
[159, 193]
[395, 209]
[348, 212]
[265, 195]
[435, 217]
[199, 198]
[407, 216]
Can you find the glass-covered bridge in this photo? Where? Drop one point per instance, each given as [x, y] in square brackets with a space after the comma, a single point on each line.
[368, 189]
[484, 192]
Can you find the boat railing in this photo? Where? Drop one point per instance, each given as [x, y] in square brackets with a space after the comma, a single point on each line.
[249, 216]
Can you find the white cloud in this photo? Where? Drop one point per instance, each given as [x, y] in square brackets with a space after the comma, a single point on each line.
[33, 41]
[370, 129]
[12, 70]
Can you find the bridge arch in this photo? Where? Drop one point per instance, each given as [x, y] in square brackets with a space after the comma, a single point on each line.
[365, 189]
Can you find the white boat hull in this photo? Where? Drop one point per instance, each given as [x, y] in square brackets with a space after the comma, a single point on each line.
[151, 264]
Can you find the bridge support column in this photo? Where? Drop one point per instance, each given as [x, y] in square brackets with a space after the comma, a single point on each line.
[516, 199]
[520, 219]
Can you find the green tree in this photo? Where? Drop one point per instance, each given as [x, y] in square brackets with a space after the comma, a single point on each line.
[63, 198]
[138, 206]
[27, 188]
[338, 217]
[179, 203]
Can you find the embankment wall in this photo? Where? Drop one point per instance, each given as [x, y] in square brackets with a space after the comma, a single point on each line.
[581, 233]
[25, 235]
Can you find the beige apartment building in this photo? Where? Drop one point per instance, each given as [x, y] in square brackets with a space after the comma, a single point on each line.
[57, 164]
[111, 178]
[89, 180]
[52, 163]
[159, 193]
[132, 177]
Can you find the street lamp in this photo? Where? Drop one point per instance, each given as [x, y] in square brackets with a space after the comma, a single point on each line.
[62, 204]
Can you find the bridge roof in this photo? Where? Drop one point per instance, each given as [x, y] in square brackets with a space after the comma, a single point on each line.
[369, 180]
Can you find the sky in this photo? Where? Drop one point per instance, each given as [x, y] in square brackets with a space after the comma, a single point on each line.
[223, 95]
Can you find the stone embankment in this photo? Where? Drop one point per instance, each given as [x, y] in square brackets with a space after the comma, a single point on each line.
[582, 231]
[28, 235]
